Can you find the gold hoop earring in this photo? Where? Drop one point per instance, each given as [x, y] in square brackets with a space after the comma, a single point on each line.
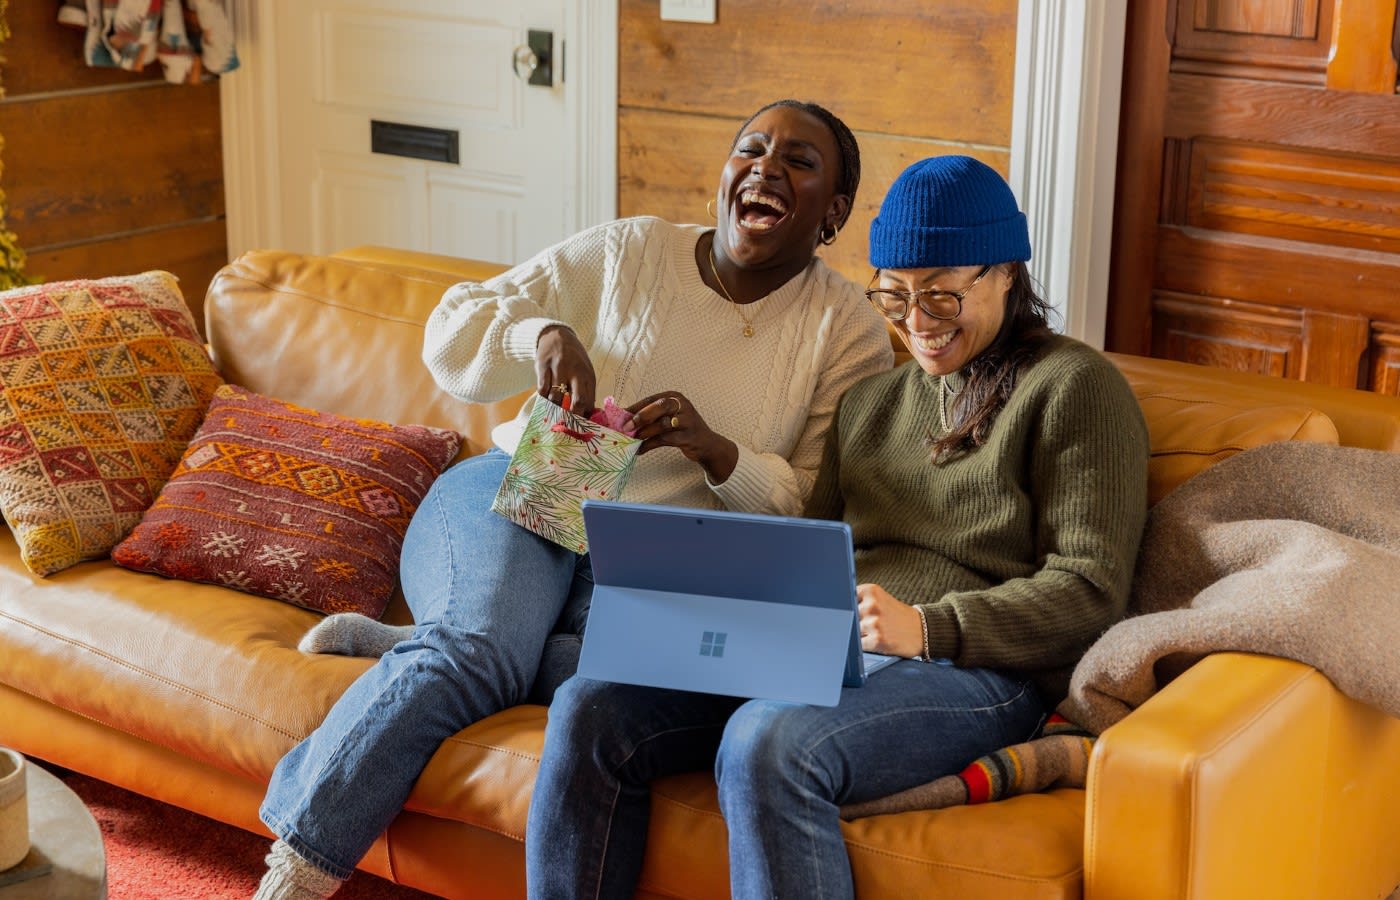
[710, 208]
[823, 236]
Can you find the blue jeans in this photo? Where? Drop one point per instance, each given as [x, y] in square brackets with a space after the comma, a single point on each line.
[784, 769]
[485, 595]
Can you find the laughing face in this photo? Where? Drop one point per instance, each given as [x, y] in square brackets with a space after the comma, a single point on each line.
[778, 190]
[944, 346]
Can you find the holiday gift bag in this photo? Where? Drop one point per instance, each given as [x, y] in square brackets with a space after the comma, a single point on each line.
[560, 460]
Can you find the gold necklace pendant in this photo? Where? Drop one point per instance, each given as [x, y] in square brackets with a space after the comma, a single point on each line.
[738, 310]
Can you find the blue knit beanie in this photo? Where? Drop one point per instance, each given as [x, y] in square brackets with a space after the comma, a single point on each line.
[948, 211]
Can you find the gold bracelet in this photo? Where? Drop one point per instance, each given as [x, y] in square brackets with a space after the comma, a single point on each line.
[923, 619]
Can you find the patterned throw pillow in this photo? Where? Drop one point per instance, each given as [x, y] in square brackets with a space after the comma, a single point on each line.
[290, 503]
[103, 383]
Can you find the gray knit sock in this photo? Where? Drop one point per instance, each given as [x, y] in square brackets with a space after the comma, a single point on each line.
[289, 877]
[351, 634]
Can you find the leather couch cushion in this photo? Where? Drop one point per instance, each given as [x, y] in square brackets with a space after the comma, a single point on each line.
[340, 336]
[219, 679]
[1188, 434]
[1023, 847]
[1361, 418]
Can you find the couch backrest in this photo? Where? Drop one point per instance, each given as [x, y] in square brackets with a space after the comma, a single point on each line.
[1362, 418]
[344, 334]
[340, 335]
[1198, 415]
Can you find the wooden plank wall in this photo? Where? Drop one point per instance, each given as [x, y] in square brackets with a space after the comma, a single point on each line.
[108, 172]
[912, 78]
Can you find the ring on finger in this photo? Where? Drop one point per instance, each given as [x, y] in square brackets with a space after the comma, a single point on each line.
[675, 422]
[561, 388]
[676, 400]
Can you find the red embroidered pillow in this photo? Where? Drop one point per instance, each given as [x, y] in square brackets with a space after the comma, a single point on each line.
[101, 385]
[290, 503]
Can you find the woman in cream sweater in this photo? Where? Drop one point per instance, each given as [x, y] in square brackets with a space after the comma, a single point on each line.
[729, 344]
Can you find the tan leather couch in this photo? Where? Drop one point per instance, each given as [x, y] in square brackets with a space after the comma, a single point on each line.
[1247, 777]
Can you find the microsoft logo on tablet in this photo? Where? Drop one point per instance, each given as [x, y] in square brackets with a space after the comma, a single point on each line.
[712, 643]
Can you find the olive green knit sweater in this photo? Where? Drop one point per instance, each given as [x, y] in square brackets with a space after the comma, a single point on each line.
[1021, 552]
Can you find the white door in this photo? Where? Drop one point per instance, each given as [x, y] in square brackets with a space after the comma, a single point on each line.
[446, 69]
[468, 158]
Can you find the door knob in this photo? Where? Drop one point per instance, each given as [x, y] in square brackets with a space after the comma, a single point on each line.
[533, 61]
[525, 59]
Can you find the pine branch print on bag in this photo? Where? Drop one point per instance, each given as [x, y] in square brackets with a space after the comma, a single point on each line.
[561, 460]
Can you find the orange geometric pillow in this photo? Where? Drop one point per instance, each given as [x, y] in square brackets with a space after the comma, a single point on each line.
[290, 503]
[103, 383]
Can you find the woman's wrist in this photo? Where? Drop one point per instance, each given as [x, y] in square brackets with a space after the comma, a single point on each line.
[721, 463]
[553, 327]
[925, 655]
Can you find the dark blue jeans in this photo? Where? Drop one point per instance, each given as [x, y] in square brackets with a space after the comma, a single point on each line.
[784, 769]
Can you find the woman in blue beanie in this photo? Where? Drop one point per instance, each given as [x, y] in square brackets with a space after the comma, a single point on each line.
[996, 489]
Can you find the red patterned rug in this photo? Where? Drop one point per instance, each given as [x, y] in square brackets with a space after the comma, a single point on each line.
[160, 852]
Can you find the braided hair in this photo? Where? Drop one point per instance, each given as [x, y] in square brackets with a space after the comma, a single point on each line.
[848, 178]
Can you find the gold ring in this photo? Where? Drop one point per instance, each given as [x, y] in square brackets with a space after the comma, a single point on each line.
[675, 422]
[676, 400]
[561, 388]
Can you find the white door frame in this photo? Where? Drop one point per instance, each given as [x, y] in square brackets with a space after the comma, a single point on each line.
[1064, 137]
[590, 95]
[248, 119]
[1064, 150]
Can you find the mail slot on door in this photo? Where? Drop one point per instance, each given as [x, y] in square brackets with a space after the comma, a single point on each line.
[417, 141]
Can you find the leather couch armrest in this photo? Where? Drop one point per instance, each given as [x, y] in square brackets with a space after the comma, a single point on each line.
[1247, 776]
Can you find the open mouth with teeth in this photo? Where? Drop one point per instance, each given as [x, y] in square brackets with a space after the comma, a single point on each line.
[759, 211]
[935, 343]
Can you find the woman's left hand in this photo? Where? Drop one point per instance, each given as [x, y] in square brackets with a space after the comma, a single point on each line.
[888, 625]
[669, 420]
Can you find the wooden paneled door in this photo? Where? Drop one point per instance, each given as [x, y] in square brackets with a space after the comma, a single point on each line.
[1257, 212]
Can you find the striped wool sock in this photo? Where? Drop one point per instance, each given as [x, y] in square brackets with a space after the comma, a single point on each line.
[1059, 757]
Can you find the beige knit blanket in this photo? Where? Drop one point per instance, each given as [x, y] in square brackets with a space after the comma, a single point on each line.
[1289, 549]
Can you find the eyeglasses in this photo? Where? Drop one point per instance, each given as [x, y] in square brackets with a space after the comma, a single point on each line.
[894, 305]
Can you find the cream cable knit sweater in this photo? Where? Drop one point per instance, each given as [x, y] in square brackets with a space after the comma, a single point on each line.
[632, 292]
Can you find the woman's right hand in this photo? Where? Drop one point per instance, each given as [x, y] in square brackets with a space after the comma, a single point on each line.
[562, 366]
[887, 624]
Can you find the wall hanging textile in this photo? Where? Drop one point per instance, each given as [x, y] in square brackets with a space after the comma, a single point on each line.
[190, 38]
